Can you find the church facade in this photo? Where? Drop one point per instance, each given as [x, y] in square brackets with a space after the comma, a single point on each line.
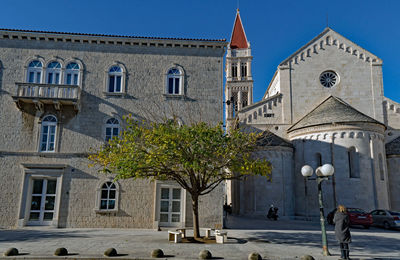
[324, 104]
[63, 94]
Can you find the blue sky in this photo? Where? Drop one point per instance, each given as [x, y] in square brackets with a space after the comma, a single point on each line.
[274, 28]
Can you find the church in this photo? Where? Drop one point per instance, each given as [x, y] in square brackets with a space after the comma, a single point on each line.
[324, 104]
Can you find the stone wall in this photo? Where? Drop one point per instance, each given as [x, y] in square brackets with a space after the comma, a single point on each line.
[359, 77]
[146, 64]
[257, 193]
[393, 165]
[368, 191]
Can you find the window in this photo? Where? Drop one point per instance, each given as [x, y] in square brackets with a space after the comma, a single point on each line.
[53, 73]
[381, 170]
[72, 74]
[112, 128]
[245, 98]
[243, 69]
[34, 73]
[48, 134]
[354, 171]
[318, 159]
[174, 81]
[328, 79]
[234, 70]
[108, 196]
[115, 79]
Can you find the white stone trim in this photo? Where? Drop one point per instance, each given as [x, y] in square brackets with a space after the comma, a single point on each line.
[98, 196]
[182, 81]
[45, 171]
[123, 79]
[170, 184]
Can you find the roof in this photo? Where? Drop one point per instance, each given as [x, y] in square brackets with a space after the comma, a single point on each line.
[266, 138]
[238, 38]
[332, 110]
[393, 147]
[332, 32]
[110, 35]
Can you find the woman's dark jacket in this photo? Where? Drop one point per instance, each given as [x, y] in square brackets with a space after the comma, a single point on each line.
[342, 227]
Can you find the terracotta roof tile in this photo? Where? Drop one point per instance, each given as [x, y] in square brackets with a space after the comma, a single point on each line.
[238, 39]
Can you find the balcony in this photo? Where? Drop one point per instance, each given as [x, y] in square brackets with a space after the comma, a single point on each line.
[47, 94]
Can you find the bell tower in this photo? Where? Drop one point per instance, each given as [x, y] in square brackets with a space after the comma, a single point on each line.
[239, 81]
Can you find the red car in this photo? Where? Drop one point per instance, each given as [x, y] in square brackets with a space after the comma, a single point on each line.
[357, 217]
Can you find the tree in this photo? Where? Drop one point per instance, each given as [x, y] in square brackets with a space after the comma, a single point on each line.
[196, 156]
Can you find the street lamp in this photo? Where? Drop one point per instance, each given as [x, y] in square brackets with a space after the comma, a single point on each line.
[322, 172]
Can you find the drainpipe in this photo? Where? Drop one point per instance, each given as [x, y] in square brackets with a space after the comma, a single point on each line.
[371, 148]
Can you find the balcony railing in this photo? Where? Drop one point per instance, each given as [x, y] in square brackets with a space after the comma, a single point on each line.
[40, 94]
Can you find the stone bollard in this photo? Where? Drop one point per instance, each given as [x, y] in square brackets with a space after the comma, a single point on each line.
[307, 257]
[205, 254]
[110, 252]
[156, 253]
[254, 256]
[61, 251]
[11, 252]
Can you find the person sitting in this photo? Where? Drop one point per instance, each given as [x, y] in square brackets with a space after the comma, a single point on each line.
[272, 213]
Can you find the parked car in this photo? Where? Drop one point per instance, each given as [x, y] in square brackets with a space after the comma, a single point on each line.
[357, 217]
[386, 218]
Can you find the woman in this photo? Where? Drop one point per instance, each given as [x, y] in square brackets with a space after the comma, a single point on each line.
[342, 230]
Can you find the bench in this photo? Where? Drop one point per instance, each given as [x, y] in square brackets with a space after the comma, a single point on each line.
[221, 237]
[183, 231]
[208, 231]
[174, 236]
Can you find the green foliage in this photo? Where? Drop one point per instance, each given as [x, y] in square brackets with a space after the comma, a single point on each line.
[196, 156]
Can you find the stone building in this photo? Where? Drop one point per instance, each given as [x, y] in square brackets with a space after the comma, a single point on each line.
[325, 104]
[62, 94]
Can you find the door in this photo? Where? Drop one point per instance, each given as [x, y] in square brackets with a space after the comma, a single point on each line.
[43, 202]
[170, 206]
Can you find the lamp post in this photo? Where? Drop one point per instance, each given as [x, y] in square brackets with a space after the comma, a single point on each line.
[322, 172]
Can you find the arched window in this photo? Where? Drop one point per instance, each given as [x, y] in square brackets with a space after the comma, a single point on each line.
[234, 70]
[72, 74]
[48, 134]
[112, 128]
[108, 196]
[115, 79]
[53, 73]
[381, 170]
[318, 159]
[174, 81]
[354, 170]
[34, 73]
[243, 69]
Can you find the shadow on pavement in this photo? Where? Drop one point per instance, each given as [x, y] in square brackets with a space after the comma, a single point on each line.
[368, 243]
[27, 235]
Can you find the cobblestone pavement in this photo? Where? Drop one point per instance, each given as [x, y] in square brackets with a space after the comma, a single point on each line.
[282, 239]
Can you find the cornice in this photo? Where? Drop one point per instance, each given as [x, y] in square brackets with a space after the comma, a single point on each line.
[100, 39]
[321, 129]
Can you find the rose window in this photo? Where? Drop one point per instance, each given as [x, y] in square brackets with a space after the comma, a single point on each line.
[328, 79]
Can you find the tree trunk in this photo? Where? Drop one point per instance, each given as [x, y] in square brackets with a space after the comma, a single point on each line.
[195, 206]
